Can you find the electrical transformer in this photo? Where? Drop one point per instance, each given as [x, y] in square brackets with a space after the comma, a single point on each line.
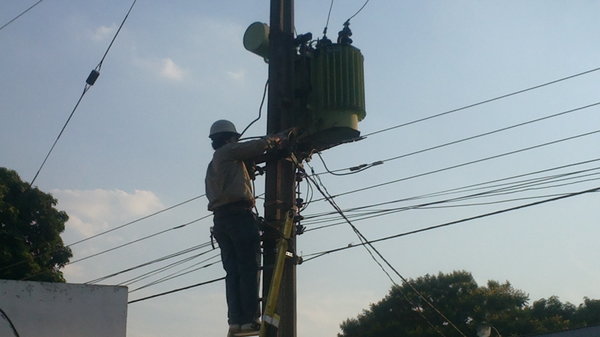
[330, 88]
[329, 83]
[336, 96]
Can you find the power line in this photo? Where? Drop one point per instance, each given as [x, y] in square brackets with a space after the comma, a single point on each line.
[365, 242]
[380, 213]
[89, 83]
[177, 290]
[360, 10]
[262, 102]
[12, 326]
[21, 14]
[477, 186]
[320, 254]
[439, 204]
[326, 195]
[362, 167]
[115, 36]
[110, 230]
[327, 22]
[482, 102]
[136, 220]
[85, 90]
[499, 189]
[161, 269]
[140, 239]
[180, 273]
[313, 256]
[160, 259]
[467, 163]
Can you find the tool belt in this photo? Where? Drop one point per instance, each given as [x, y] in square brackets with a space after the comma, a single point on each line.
[234, 207]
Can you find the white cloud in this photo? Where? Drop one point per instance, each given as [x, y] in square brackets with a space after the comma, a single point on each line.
[171, 70]
[92, 211]
[164, 68]
[104, 32]
[237, 75]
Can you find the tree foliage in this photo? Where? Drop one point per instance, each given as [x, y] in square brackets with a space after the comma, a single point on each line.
[465, 306]
[30, 244]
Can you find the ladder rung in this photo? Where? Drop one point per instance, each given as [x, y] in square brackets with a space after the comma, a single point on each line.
[249, 333]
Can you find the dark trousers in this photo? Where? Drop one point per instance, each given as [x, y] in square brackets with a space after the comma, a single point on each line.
[239, 241]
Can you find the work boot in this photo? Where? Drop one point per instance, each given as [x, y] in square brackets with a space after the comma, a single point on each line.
[233, 329]
[249, 327]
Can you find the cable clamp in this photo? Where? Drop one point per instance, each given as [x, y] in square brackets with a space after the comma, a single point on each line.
[92, 77]
[273, 320]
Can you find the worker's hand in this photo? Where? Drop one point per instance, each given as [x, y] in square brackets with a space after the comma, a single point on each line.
[277, 138]
[281, 139]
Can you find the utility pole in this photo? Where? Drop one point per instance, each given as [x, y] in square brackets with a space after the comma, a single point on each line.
[280, 174]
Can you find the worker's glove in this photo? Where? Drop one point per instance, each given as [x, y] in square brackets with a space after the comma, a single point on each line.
[282, 139]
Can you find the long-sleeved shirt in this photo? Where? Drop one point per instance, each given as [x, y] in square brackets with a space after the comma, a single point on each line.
[227, 178]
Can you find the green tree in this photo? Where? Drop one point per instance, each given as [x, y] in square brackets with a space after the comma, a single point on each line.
[30, 244]
[548, 315]
[466, 305]
[588, 313]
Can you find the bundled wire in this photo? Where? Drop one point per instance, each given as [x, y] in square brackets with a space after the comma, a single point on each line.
[506, 188]
[366, 244]
[139, 239]
[362, 167]
[145, 264]
[177, 290]
[484, 101]
[90, 81]
[262, 102]
[529, 148]
[12, 326]
[313, 256]
[20, 14]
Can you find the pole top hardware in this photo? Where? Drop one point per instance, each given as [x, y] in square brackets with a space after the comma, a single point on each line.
[256, 39]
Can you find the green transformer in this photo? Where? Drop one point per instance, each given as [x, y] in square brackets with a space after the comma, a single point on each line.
[332, 87]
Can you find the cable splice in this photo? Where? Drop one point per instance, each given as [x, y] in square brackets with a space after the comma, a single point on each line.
[89, 82]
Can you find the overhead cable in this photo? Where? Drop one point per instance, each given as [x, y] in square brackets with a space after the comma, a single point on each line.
[161, 269]
[467, 163]
[262, 102]
[21, 14]
[181, 273]
[10, 323]
[362, 167]
[145, 264]
[313, 256]
[482, 102]
[110, 230]
[177, 290]
[360, 10]
[89, 83]
[327, 22]
[140, 239]
[366, 243]
[498, 189]
[373, 213]
[136, 220]
[380, 213]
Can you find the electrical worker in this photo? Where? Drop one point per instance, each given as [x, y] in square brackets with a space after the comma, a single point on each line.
[231, 199]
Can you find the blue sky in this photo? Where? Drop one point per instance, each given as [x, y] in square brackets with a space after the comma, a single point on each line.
[138, 142]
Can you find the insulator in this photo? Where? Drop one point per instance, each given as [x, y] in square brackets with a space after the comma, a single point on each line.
[92, 77]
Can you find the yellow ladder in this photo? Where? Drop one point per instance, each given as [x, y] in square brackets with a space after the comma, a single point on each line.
[269, 316]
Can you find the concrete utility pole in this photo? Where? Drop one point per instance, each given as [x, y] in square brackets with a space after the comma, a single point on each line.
[280, 174]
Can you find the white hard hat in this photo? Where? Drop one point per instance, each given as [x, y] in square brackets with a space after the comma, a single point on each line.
[221, 126]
